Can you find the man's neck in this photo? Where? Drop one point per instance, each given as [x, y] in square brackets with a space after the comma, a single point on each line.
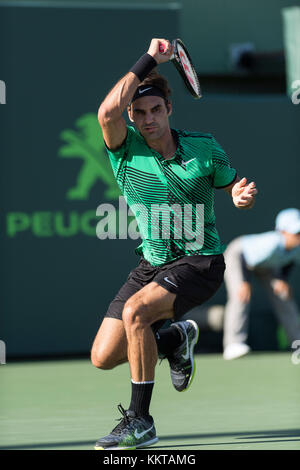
[165, 145]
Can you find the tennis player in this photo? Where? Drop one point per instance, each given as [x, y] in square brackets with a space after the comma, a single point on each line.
[155, 165]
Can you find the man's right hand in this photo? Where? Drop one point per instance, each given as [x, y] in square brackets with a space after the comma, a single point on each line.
[281, 289]
[161, 50]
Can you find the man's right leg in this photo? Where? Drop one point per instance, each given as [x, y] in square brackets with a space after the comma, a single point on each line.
[109, 350]
[150, 304]
[110, 345]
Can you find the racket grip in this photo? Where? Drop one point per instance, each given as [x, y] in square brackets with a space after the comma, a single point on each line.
[162, 51]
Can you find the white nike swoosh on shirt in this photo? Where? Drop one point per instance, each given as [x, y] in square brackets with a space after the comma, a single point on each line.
[184, 163]
[168, 280]
[145, 89]
[138, 435]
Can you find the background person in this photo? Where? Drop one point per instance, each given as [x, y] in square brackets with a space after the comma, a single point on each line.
[269, 257]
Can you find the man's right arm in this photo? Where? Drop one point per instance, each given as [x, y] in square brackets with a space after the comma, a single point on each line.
[110, 114]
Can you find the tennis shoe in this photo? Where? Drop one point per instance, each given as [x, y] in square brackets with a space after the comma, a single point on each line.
[132, 432]
[235, 351]
[182, 364]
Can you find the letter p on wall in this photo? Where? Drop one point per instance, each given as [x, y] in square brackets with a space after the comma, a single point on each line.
[2, 92]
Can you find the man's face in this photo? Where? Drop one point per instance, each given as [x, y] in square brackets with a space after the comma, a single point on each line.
[151, 116]
[292, 240]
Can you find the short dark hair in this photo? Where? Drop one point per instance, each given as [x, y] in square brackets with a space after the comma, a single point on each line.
[157, 80]
[160, 82]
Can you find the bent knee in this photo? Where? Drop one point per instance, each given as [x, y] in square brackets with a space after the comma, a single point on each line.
[101, 361]
[133, 313]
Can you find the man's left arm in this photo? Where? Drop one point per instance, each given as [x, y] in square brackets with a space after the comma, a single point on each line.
[243, 194]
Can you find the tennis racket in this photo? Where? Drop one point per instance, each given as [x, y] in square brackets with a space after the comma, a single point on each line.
[183, 63]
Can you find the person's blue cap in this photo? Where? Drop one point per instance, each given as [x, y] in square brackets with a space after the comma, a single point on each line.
[288, 220]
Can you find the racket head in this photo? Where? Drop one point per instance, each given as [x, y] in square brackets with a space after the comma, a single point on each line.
[183, 63]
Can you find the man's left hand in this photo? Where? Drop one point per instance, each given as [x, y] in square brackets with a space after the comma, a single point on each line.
[243, 194]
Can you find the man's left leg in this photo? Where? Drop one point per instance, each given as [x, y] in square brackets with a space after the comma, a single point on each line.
[194, 279]
[177, 344]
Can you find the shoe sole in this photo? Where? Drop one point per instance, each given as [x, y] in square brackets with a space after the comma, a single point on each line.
[193, 344]
[144, 444]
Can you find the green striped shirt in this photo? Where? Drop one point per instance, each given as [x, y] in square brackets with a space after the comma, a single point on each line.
[173, 200]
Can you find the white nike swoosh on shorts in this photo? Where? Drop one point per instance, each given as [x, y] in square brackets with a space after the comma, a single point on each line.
[170, 282]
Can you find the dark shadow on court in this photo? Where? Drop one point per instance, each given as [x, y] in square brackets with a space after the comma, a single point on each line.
[207, 444]
[285, 435]
[239, 435]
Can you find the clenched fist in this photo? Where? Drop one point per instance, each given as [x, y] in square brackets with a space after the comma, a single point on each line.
[161, 50]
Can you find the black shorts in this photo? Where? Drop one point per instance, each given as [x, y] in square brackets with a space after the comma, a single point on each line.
[193, 278]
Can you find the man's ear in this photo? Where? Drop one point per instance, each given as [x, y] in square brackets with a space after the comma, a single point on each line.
[130, 113]
[169, 108]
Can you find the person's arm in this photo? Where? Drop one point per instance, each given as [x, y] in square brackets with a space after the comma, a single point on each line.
[244, 289]
[243, 194]
[281, 288]
[110, 114]
[246, 273]
[284, 272]
[225, 177]
[280, 284]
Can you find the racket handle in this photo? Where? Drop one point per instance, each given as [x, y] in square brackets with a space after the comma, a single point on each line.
[162, 51]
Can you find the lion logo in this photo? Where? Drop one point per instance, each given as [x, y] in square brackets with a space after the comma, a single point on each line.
[87, 143]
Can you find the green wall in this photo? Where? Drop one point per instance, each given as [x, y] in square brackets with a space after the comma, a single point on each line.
[57, 278]
[210, 26]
